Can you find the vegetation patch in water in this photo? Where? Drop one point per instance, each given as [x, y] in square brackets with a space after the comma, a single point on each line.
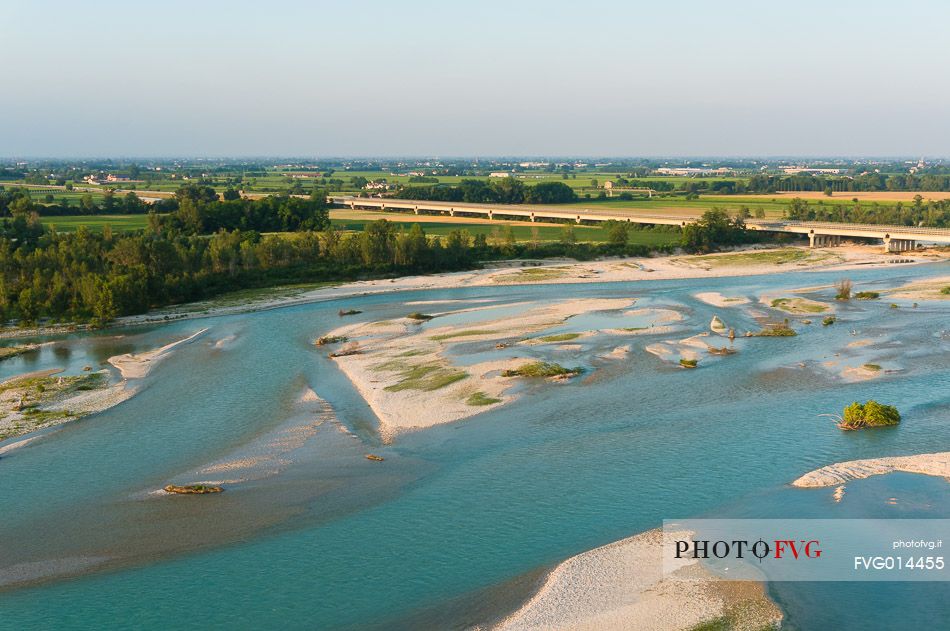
[347, 312]
[420, 317]
[872, 367]
[193, 489]
[867, 295]
[868, 414]
[542, 369]
[779, 330]
[829, 321]
[331, 339]
[688, 363]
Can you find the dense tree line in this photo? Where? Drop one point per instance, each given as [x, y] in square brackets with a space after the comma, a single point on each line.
[934, 214]
[88, 277]
[199, 211]
[506, 190]
[866, 182]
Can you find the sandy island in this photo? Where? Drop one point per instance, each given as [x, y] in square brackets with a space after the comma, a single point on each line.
[402, 369]
[43, 399]
[622, 586]
[937, 464]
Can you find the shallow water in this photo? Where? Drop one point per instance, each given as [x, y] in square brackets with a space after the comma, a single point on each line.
[333, 540]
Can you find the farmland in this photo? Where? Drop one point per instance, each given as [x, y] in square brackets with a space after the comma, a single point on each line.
[118, 223]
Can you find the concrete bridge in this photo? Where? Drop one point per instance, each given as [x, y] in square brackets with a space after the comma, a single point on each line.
[820, 234]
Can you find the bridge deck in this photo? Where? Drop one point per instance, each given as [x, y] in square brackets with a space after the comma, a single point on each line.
[866, 231]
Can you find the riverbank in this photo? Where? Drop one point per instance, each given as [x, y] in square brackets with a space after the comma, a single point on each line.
[623, 586]
[745, 262]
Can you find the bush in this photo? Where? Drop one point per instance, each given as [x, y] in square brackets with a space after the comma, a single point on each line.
[542, 369]
[781, 330]
[867, 295]
[844, 289]
[331, 339]
[945, 291]
[870, 414]
[688, 363]
[829, 321]
[419, 317]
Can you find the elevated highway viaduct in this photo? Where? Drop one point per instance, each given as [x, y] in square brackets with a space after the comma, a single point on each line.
[820, 234]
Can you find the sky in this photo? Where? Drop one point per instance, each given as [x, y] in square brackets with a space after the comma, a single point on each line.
[515, 78]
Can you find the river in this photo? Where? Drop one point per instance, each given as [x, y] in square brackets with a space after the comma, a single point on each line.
[457, 523]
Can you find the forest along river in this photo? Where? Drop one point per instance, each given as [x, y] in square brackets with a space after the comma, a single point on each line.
[459, 521]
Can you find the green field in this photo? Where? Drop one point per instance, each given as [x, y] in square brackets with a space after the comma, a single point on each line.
[118, 223]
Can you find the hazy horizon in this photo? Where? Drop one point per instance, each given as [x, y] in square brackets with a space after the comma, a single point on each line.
[426, 79]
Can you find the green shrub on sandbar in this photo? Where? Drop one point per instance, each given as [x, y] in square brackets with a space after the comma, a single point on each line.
[480, 398]
[426, 377]
[777, 331]
[867, 295]
[467, 333]
[688, 363]
[561, 337]
[869, 414]
[542, 369]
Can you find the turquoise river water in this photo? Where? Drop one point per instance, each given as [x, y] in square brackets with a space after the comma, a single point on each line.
[457, 524]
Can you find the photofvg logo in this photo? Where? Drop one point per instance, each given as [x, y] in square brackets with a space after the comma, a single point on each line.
[743, 549]
[807, 549]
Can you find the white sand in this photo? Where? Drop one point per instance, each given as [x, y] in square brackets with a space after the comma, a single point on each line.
[796, 305]
[716, 299]
[138, 366]
[390, 348]
[937, 464]
[618, 353]
[622, 586]
[929, 289]
[611, 270]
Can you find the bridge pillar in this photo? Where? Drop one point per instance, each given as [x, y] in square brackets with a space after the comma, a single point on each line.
[532, 217]
[352, 205]
[823, 240]
[415, 209]
[451, 212]
[578, 219]
[898, 245]
[491, 215]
